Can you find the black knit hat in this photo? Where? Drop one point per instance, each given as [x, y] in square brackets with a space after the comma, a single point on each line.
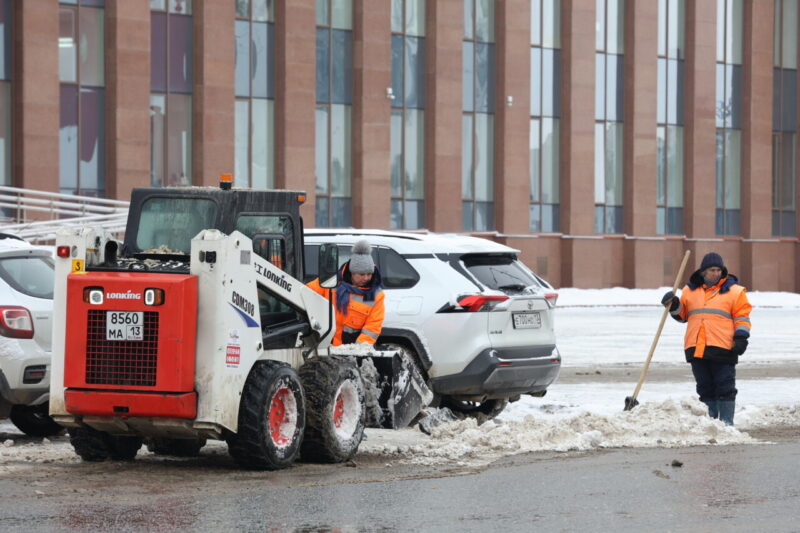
[711, 259]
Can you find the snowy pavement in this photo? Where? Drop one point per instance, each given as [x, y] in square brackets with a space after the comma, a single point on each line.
[594, 328]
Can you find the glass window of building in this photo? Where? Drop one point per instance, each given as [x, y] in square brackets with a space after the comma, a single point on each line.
[408, 115]
[255, 94]
[545, 113]
[669, 118]
[333, 145]
[784, 120]
[477, 143]
[5, 92]
[609, 97]
[171, 80]
[729, 117]
[81, 67]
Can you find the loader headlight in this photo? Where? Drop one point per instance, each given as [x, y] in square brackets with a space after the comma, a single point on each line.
[93, 295]
[153, 296]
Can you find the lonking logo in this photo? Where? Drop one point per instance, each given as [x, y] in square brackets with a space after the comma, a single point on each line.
[130, 295]
[279, 281]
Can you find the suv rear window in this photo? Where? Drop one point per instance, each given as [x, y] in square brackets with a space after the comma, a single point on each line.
[500, 272]
[32, 276]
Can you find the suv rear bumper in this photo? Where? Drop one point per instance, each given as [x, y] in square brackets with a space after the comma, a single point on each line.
[503, 373]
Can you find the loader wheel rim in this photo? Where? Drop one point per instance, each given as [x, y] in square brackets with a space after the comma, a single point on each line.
[282, 417]
[346, 410]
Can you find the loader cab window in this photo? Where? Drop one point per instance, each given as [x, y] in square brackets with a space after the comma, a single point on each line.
[169, 224]
[277, 319]
[273, 239]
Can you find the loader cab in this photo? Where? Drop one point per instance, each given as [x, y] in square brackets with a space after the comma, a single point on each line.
[163, 222]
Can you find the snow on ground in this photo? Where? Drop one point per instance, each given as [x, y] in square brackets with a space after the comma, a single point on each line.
[593, 328]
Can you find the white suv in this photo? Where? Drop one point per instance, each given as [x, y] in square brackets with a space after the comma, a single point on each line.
[26, 307]
[478, 321]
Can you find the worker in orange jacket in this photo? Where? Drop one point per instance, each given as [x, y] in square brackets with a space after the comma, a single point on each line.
[717, 313]
[358, 298]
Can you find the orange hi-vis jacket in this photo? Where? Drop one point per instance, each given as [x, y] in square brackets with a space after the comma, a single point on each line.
[714, 315]
[364, 318]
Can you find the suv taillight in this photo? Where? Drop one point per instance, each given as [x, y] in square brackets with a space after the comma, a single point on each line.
[552, 298]
[480, 302]
[16, 322]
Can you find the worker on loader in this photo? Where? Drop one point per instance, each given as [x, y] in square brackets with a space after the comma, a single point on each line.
[718, 315]
[358, 298]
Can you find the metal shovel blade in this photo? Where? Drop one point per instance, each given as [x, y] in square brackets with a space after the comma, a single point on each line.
[630, 403]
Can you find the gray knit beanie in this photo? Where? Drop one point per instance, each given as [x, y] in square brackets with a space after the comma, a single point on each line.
[361, 260]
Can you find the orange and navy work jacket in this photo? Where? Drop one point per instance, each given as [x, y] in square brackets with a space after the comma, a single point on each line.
[714, 315]
[363, 319]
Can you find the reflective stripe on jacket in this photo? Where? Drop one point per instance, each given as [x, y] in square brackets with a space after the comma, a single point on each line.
[363, 318]
[713, 317]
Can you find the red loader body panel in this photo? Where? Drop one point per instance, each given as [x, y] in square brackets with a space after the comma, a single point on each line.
[124, 357]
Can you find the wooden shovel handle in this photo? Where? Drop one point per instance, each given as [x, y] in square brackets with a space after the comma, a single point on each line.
[678, 279]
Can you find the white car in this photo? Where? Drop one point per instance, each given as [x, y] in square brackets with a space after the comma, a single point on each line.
[477, 320]
[26, 306]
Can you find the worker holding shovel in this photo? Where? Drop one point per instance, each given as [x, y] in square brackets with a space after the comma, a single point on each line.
[717, 313]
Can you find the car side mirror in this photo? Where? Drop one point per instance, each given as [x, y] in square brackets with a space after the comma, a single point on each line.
[328, 265]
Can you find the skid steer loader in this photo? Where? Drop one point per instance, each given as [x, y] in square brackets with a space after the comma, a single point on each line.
[197, 327]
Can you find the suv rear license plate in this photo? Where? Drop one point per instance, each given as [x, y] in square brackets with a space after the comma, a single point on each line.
[527, 320]
[124, 325]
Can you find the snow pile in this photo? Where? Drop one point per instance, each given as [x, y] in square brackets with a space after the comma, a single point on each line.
[752, 417]
[622, 297]
[665, 424]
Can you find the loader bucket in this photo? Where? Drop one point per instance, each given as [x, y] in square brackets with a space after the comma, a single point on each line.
[392, 379]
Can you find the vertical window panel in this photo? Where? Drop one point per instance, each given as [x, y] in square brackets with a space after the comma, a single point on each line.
[263, 143]
[789, 34]
[260, 60]
[484, 78]
[600, 87]
[536, 22]
[662, 29]
[398, 17]
[92, 39]
[536, 78]
[398, 69]
[550, 154]
[469, 19]
[661, 170]
[599, 163]
[341, 130]
[321, 150]
[179, 139]
[323, 13]
[92, 140]
[158, 115]
[342, 72]
[415, 72]
[242, 143]
[68, 139]
[414, 153]
[467, 135]
[323, 65]
[342, 14]
[415, 17]
[180, 54]
[675, 166]
[67, 45]
[468, 76]
[484, 157]
[158, 52]
[243, 8]
[242, 58]
[396, 150]
[551, 23]
[484, 20]
[600, 26]
[535, 158]
[5, 39]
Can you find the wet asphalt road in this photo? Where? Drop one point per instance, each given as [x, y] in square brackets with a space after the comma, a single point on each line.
[736, 488]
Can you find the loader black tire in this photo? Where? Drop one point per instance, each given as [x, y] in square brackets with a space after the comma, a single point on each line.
[93, 445]
[175, 447]
[34, 420]
[271, 418]
[480, 411]
[336, 409]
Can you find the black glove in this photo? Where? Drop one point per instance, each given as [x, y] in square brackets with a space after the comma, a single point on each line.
[739, 345]
[670, 300]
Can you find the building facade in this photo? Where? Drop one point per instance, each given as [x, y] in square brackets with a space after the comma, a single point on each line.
[599, 137]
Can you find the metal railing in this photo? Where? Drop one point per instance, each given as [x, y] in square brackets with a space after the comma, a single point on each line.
[56, 210]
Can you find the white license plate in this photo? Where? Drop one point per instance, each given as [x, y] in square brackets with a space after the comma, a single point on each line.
[124, 325]
[527, 320]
